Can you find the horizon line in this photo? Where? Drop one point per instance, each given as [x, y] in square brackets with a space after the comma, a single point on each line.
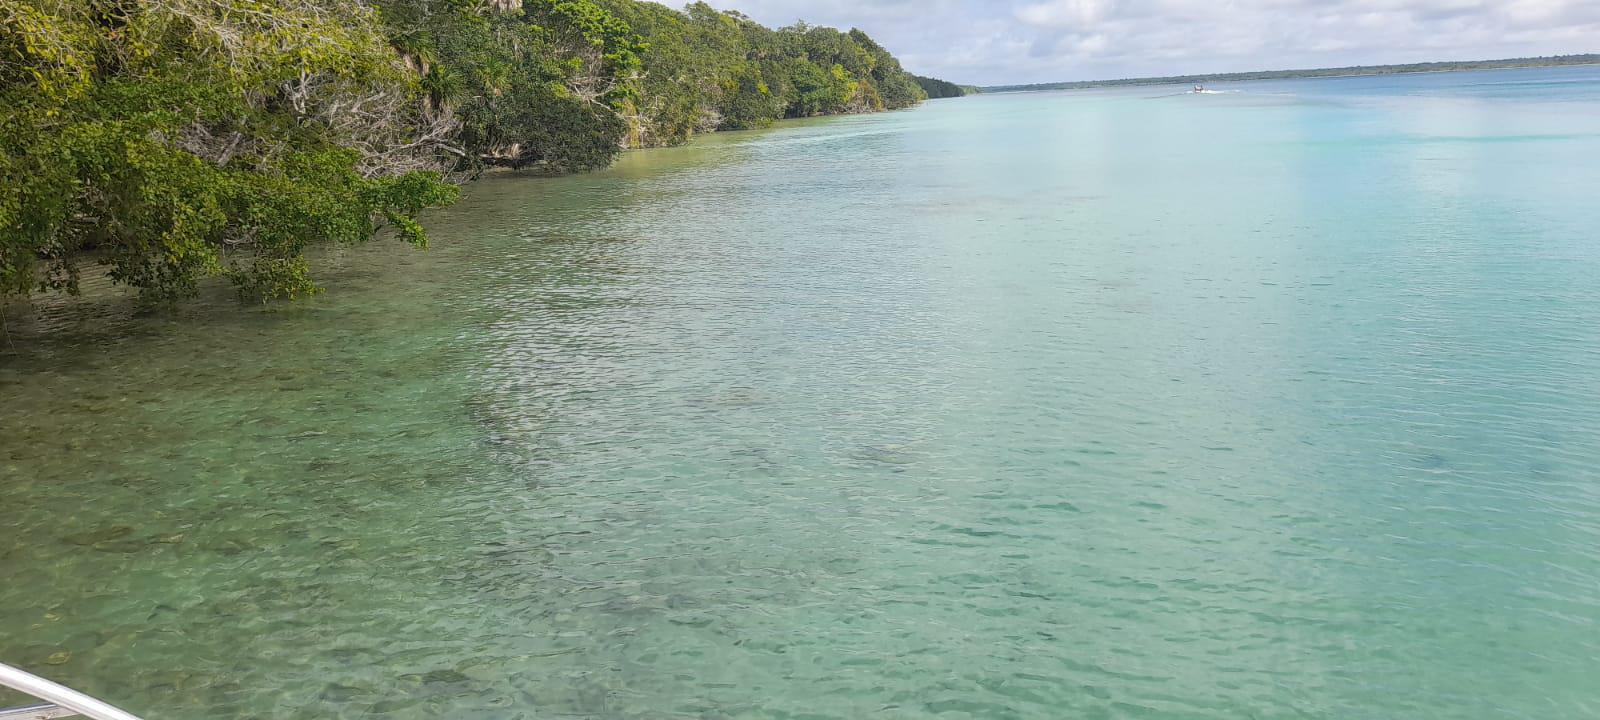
[1226, 76]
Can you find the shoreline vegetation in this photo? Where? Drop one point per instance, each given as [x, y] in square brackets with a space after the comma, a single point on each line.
[172, 141]
[1349, 71]
[939, 89]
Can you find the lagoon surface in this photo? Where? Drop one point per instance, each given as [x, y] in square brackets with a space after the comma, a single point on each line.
[1277, 402]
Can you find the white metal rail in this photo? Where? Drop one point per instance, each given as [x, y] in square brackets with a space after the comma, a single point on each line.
[59, 700]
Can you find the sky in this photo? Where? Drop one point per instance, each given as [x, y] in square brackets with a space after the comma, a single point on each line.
[996, 42]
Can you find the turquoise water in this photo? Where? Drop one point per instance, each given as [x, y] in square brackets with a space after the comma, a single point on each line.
[1279, 402]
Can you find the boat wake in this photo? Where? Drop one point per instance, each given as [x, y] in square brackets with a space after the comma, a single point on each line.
[1186, 93]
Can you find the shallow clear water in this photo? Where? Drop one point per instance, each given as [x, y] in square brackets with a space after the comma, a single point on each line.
[1282, 402]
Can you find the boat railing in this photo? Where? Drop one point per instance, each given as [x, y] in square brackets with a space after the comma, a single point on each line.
[59, 700]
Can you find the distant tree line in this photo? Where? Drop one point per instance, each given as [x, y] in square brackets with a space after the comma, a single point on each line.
[937, 89]
[172, 140]
[1354, 70]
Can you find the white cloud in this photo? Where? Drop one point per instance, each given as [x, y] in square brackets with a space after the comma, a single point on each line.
[1065, 13]
[1014, 41]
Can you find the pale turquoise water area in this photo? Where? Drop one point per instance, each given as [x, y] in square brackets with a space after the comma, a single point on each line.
[1277, 403]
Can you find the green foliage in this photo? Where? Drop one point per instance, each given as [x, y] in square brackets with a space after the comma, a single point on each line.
[542, 87]
[171, 141]
[705, 70]
[174, 140]
[937, 89]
